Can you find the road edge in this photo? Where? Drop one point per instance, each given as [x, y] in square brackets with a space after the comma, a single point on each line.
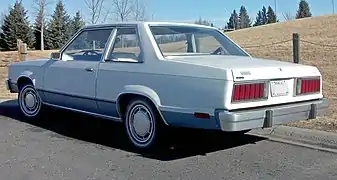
[311, 138]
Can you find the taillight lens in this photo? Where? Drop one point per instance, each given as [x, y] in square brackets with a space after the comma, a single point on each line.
[247, 92]
[308, 86]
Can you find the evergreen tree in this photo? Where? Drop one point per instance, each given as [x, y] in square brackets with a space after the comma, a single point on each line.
[303, 10]
[233, 22]
[16, 26]
[264, 19]
[258, 20]
[244, 20]
[76, 23]
[2, 42]
[271, 16]
[58, 31]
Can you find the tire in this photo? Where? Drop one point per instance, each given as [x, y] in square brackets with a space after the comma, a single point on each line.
[29, 102]
[143, 120]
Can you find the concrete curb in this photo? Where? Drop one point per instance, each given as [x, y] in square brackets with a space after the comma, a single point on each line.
[311, 138]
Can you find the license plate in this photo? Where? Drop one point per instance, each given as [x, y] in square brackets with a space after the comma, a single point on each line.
[279, 88]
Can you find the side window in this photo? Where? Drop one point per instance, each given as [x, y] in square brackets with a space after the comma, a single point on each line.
[126, 46]
[87, 46]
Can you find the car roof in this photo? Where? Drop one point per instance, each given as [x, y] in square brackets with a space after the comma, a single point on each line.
[155, 23]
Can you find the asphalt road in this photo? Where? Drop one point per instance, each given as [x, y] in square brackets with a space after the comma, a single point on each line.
[70, 146]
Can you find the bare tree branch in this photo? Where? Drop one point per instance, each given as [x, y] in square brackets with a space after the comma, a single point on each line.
[288, 17]
[138, 11]
[95, 7]
[129, 10]
[122, 9]
[39, 9]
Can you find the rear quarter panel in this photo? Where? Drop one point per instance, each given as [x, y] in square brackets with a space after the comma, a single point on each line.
[177, 86]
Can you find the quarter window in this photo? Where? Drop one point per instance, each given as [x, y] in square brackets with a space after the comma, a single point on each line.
[87, 46]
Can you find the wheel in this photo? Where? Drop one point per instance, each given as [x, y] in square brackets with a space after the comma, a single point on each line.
[29, 101]
[143, 124]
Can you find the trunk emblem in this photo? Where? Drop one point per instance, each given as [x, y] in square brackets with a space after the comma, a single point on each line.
[245, 73]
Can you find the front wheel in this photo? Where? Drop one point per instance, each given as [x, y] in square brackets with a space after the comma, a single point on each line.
[143, 124]
[29, 101]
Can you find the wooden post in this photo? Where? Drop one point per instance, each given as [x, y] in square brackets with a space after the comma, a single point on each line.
[296, 48]
[18, 43]
[23, 51]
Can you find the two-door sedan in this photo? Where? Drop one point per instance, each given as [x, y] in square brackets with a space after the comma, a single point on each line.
[154, 75]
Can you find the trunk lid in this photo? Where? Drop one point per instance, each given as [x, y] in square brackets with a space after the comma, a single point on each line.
[245, 68]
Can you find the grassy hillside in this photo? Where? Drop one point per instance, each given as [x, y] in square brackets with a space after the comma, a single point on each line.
[318, 48]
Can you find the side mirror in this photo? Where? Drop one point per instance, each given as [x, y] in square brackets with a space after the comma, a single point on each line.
[55, 55]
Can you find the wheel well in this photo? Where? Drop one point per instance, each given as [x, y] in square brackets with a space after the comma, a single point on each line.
[23, 81]
[126, 98]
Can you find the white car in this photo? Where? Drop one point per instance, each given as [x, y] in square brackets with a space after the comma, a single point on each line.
[153, 75]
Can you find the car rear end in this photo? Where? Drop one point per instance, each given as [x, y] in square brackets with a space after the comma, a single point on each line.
[268, 96]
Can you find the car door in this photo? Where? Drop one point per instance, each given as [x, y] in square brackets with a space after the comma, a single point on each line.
[115, 72]
[71, 81]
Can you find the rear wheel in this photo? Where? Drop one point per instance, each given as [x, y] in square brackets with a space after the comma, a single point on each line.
[29, 101]
[143, 124]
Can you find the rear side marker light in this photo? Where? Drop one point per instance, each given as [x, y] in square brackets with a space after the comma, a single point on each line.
[202, 115]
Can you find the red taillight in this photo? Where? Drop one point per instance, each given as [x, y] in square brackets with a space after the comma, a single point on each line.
[244, 92]
[307, 86]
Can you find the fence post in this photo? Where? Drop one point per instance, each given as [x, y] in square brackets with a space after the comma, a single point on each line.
[18, 43]
[296, 48]
[23, 51]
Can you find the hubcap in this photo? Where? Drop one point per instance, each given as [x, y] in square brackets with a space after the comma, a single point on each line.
[141, 124]
[29, 102]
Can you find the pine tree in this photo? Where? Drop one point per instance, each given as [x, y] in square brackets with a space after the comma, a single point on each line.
[76, 23]
[233, 22]
[264, 16]
[258, 20]
[303, 10]
[271, 16]
[244, 20]
[16, 26]
[58, 31]
[2, 42]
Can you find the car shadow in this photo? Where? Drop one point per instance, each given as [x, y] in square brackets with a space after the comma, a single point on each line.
[184, 142]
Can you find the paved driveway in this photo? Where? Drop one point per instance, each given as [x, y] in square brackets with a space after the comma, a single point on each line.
[70, 146]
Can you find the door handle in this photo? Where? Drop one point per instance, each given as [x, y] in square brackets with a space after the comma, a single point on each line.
[89, 69]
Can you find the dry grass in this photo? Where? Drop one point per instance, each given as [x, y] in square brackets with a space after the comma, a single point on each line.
[321, 30]
[10, 57]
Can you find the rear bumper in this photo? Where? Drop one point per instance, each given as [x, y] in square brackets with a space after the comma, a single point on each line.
[268, 117]
[12, 87]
